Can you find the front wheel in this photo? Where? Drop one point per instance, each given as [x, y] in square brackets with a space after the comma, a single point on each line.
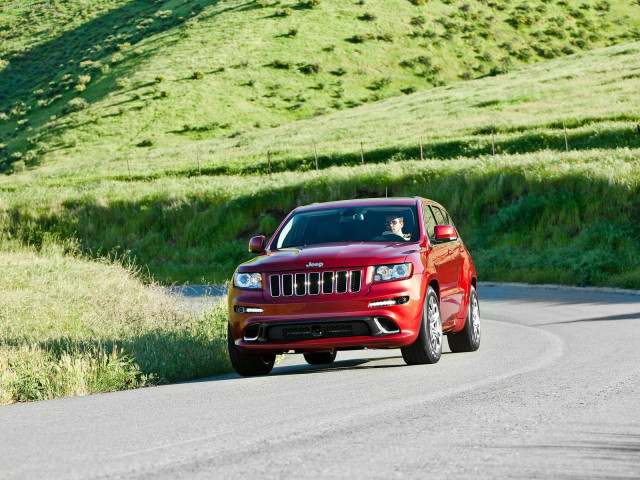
[428, 346]
[323, 358]
[468, 339]
[247, 364]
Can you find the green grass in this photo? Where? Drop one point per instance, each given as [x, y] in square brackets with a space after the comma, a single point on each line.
[133, 63]
[70, 326]
[187, 227]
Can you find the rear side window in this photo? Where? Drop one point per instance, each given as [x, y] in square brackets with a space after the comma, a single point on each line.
[441, 218]
[429, 221]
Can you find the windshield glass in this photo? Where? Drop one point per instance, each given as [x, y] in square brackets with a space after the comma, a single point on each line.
[352, 224]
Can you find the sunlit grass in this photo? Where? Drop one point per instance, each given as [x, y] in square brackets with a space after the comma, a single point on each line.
[71, 326]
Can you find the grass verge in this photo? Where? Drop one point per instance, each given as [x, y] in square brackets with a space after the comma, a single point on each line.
[69, 326]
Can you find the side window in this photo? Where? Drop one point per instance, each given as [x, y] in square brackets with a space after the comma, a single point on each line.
[429, 221]
[441, 217]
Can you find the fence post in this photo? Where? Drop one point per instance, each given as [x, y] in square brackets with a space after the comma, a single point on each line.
[269, 160]
[361, 153]
[566, 141]
[315, 152]
[421, 154]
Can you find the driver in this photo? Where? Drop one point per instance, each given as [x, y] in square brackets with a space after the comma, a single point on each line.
[394, 226]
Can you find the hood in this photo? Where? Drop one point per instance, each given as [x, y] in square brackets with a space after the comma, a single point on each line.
[332, 256]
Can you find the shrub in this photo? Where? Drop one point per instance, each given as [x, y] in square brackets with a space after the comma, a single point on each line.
[417, 22]
[84, 79]
[409, 90]
[367, 17]
[77, 104]
[385, 37]
[310, 68]
[116, 57]
[159, 78]
[81, 87]
[122, 46]
[18, 166]
[356, 39]
[292, 32]
[417, 3]
[145, 143]
[197, 75]
[280, 64]
[603, 6]
[122, 83]
[309, 4]
[380, 83]
[338, 72]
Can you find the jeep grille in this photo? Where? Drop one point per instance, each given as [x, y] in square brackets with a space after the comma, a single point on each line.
[315, 283]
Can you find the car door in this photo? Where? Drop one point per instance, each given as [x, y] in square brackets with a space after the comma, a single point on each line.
[448, 263]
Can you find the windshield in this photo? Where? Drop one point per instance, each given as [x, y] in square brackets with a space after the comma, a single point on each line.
[352, 224]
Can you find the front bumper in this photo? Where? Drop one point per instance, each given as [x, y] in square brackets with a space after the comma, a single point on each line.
[312, 324]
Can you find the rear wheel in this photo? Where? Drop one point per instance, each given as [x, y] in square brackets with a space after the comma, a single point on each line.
[428, 346]
[323, 358]
[468, 339]
[248, 364]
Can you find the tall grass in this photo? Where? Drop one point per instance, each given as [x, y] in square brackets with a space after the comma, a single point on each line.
[71, 326]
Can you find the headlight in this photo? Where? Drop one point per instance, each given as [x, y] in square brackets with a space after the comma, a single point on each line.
[382, 273]
[248, 280]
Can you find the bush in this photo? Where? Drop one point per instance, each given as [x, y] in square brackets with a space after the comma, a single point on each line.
[76, 104]
[367, 17]
[197, 75]
[417, 3]
[145, 143]
[357, 39]
[409, 90]
[159, 78]
[280, 64]
[310, 68]
[122, 83]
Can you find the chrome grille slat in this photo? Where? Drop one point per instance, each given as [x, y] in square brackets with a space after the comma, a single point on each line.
[327, 282]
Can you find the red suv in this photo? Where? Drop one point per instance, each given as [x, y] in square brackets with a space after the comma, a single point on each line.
[373, 273]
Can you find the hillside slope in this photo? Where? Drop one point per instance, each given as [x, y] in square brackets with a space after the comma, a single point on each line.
[533, 211]
[115, 78]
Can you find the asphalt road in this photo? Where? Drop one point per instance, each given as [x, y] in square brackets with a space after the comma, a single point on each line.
[553, 392]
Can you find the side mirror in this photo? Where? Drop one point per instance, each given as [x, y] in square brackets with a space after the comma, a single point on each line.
[445, 233]
[256, 244]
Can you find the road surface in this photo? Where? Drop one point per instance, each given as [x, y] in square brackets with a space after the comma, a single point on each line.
[553, 392]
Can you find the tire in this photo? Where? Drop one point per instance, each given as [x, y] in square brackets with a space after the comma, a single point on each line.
[247, 364]
[428, 346]
[323, 358]
[468, 339]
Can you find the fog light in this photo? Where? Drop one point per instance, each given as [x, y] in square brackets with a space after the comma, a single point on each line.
[241, 309]
[389, 302]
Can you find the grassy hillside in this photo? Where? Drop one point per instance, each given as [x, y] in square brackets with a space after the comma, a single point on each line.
[111, 79]
[531, 212]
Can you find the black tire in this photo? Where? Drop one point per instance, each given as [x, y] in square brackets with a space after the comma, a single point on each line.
[468, 339]
[428, 346]
[247, 364]
[323, 358]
